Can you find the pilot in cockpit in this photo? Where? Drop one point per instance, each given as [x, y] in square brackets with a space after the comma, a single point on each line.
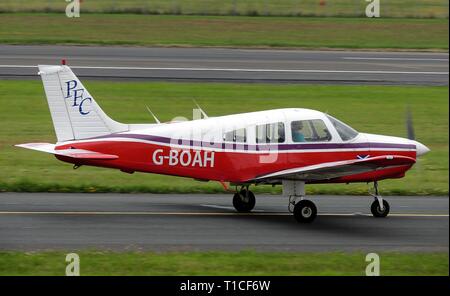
[297, 131]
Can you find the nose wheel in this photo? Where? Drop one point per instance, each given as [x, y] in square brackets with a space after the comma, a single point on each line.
[380, 208]
[379, 212]
[244, 201]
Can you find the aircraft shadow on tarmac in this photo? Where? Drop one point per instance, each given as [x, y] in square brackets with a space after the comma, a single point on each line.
[354, 226]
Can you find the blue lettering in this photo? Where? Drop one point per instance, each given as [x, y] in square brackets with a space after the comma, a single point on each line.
[80, 108]
[77, 94]
[70, 85]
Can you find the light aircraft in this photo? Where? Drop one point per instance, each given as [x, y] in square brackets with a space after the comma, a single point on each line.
[291, 147]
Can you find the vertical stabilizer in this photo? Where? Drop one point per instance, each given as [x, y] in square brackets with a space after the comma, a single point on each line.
[75, 113]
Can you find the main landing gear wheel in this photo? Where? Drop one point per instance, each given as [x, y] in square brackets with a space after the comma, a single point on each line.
[305, 211]
[377, 211]
[244, 201]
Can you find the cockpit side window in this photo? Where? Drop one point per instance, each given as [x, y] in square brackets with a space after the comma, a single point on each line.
[345, 132]
[313, 130]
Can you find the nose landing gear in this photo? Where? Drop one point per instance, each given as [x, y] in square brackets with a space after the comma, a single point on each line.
[380, 207]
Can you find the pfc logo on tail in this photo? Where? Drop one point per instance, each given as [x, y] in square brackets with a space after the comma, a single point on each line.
[76, 94]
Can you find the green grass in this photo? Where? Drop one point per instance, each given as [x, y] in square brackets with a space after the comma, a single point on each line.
[222, 263]
[163, 30]
[391, 8]
[374, 109]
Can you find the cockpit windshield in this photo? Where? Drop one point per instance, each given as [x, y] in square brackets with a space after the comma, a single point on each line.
[345, 132]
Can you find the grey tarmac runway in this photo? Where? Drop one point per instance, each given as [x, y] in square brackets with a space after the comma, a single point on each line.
[192, 222]
[230, 65]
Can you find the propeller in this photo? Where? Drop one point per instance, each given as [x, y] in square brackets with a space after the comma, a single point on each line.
[409, 124]
[411, 135]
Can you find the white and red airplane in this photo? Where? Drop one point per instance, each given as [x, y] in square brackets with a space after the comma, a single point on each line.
[292, 147]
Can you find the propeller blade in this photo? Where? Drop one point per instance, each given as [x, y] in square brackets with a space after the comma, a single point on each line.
[409, 124]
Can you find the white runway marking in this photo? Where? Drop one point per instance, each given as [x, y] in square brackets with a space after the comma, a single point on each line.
[218, 207]
[105, 213]
[395, 59]
[245, 70]
[225, 208]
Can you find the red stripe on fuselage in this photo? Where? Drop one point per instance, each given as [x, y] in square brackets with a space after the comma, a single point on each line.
[230, 166]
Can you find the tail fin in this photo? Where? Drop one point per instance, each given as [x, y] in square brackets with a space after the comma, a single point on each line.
[75, 113]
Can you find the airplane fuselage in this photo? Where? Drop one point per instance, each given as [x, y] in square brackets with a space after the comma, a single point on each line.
[185, 149]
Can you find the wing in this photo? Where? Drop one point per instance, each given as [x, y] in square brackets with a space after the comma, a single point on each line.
[72, 153]
[331, 170]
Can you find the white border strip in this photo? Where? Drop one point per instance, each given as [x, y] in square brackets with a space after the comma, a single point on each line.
[395, 59]
[275, 150]
[106, 213]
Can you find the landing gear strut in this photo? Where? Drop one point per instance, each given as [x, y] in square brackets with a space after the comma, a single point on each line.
[244, 200]
[380, 207]
[305, 211]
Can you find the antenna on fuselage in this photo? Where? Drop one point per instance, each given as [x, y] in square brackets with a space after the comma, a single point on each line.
[200, 108]
[154, 116]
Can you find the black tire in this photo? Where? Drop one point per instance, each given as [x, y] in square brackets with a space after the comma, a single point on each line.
[376, 210]
[244, 202]
[305, 211]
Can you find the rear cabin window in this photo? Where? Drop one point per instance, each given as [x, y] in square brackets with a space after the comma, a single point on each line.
[270, 133]
[237, 136]
[313, 130]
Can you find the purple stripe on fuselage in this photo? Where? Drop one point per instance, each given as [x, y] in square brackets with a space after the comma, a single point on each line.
[258, 147]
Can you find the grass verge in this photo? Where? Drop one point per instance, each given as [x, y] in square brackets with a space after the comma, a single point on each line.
[373, 109]
[392, 8]
[164, 30]
[223, 263]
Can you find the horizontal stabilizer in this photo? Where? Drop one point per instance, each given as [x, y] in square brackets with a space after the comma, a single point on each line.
[72, 153]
